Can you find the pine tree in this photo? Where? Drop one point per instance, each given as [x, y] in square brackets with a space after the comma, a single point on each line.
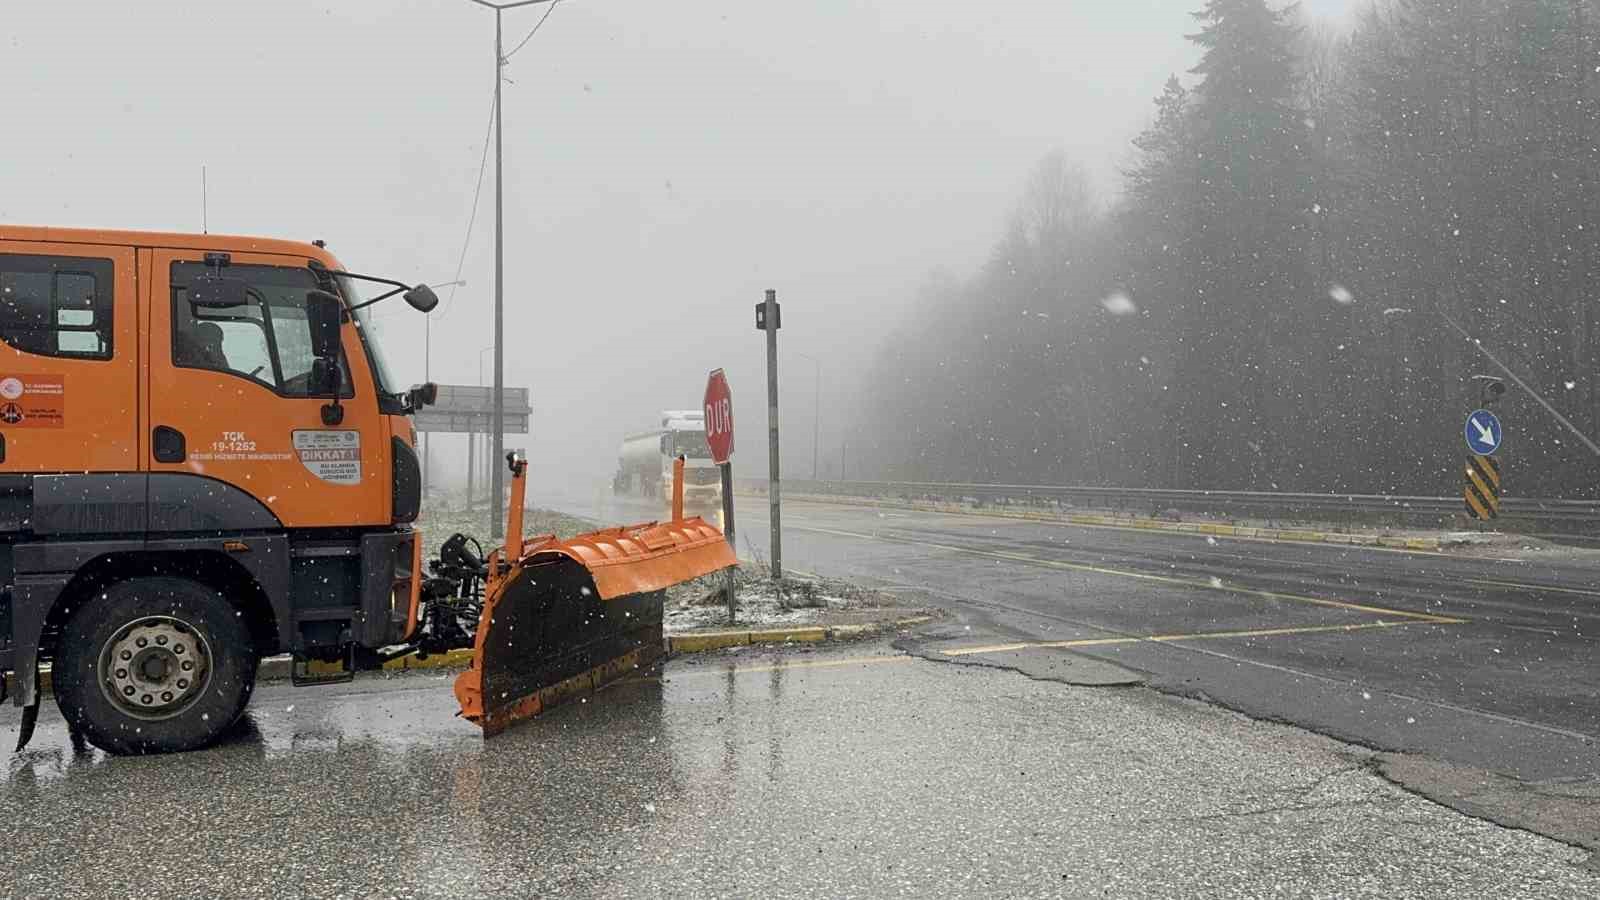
[1243, 332]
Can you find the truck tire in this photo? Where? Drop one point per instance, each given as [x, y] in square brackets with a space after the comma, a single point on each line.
[154, 665]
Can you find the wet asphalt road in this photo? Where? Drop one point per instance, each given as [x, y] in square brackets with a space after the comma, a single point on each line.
[853, 771]
[1486, 662]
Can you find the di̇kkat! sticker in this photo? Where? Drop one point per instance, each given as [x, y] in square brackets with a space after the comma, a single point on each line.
[333, 456]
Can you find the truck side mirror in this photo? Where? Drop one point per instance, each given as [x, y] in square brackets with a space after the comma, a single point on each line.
[326, 377]
[426, 394]
[422, 298]
[323, 315]
[215, 292]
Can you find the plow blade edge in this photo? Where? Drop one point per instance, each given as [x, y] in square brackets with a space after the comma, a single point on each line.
[571, 616]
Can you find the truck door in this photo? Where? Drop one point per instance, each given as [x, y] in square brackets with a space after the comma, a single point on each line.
[229, 395]
[68, 371]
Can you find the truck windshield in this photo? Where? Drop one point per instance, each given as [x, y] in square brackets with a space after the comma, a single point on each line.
[369, 339]
[690, 444]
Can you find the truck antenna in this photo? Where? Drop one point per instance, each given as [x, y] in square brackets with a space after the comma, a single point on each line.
[205, 222]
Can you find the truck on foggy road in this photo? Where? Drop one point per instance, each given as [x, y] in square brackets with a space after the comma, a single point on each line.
[644, 461]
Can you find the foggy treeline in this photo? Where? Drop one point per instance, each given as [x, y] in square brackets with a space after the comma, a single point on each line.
[1267, 304]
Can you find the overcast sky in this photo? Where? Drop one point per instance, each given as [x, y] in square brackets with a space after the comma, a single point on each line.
[665, 163]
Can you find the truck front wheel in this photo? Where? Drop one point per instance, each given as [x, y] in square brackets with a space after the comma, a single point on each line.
[154, 665]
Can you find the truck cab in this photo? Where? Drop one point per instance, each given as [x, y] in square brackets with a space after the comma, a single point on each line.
[645, 462]
[203, 460]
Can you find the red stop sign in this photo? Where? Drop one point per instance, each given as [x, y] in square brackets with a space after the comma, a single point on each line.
[719, 417]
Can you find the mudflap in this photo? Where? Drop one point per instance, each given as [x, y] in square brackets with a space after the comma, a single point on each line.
[30, 719]
[548, 636]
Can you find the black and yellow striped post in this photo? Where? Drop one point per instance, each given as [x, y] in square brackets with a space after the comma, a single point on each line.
[1482, 488]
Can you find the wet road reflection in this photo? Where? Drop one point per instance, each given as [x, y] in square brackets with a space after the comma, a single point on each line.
[850, 771]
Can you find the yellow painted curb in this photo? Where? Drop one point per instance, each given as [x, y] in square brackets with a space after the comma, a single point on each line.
[808, 634]
[276, 668]
[706, 640]
[697, 642]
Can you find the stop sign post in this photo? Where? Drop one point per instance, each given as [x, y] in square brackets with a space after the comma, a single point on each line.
[719, 436]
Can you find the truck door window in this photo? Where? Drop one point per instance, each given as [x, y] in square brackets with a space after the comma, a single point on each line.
[56, 305]
[268, 340]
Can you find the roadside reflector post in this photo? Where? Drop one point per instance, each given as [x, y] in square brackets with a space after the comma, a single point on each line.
[677, 489]
[767, 319]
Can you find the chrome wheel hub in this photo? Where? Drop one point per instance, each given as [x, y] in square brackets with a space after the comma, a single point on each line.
[154, 667]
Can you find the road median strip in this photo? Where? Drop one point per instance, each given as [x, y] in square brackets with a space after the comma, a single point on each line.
[1146, 523]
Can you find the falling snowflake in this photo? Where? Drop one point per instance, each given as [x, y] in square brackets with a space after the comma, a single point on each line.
[1341, 295]
[1119, 304]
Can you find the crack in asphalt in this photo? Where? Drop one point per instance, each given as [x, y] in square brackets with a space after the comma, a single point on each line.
[1373, 763]
[1479, 812]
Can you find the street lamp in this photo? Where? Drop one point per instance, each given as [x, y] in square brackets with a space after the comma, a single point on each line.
[480, 363]
[816, 410]
[427, 376]
[495, 484]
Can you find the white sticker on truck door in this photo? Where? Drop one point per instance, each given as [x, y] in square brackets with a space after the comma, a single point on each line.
[333, 456]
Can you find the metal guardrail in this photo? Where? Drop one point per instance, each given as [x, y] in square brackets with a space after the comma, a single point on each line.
[1582, 514]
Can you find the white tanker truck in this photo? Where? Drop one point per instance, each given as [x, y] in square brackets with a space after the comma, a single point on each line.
[644, 463]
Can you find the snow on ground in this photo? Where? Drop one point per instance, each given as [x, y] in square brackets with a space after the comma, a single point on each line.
[698, 604]
[701, 604]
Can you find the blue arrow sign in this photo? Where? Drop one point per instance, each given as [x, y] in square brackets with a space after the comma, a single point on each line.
[1483, 432]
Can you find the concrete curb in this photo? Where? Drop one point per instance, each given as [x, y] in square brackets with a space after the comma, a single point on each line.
[701, 641]
[276, 668]
[1142, 523]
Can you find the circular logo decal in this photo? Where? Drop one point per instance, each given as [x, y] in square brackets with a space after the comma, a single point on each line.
[11, 388]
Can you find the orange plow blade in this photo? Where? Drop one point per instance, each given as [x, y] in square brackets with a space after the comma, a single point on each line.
[570, 616]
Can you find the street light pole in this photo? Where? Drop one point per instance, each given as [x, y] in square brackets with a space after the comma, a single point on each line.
[816, 410]
[496, 482]
[427, 333]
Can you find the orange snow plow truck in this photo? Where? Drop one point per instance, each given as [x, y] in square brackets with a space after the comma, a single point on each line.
[205, 461]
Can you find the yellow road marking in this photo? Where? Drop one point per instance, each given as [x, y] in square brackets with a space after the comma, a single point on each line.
[1143, 576]
[1532, 587]
[1173, 638]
